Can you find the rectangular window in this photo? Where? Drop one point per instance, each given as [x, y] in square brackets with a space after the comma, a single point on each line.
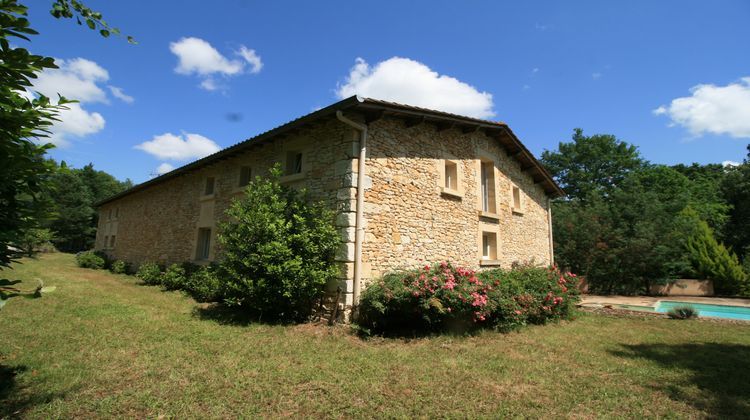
[245, 174]
[112, 241]
[293, 163]
[516, 198]
[204, 244]
[117, 213]
[451, 175]
[210, 181]
[488, 187]
[109, 216]
[106, 241]
[489, 246]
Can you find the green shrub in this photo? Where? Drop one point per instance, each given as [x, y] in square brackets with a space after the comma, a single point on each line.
[150, 273]
[204, 284]
[91, 259]
[442, 297]
[175, 277]
[119, 267]
[683, 312]
[278, 250]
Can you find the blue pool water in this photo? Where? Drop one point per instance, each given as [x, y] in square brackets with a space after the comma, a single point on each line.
[716, 311]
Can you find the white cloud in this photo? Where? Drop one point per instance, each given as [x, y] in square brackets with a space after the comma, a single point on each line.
[728, 163]
[535, 70]
[164, 168]
[179, 147]
[410, 82]
[76, 78]
[197, 56]
[596, 75]
[252, 58]
[713, 109]
[120, 94]
[75, 121]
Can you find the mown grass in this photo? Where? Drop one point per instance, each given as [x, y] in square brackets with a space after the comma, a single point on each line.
[102, 345]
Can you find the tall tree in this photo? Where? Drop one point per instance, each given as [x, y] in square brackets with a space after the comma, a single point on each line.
[591, 164]
[736, 189]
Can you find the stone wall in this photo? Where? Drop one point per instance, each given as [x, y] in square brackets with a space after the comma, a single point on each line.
[412, 219]
[161, 223]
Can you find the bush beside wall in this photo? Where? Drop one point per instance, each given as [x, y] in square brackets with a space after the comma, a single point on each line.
[442, 297]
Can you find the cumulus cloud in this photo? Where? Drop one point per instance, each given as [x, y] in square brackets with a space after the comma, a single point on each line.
[82, 80]
[723, 110]
[182, 147]
[198, 57]
[410, 82]
[164, 168]
[120, 94]
[77, 78]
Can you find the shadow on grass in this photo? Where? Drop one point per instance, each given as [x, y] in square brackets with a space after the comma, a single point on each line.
[229, 315]
[721, 372]
[13, 400]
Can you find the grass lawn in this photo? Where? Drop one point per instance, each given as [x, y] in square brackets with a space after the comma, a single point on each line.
[103, 345]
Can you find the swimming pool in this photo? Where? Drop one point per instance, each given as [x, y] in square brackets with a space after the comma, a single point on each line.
[704, 309]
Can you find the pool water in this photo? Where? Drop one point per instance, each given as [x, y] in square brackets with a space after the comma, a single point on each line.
[704, 309]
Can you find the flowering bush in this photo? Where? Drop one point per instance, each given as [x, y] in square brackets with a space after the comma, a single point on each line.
[443, 297]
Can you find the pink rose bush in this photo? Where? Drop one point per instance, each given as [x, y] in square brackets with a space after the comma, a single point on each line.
[443, 297]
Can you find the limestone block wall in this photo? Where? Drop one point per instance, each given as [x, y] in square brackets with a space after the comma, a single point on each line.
[161, 223]
[411, 220]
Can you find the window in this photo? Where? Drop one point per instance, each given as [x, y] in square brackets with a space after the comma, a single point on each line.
[106, 241]
[117, 213]
[516, 199]
[293, 163]
[210, 181]
[451, 175]
[204, 244]
[109, 217]
[112, 241]
[489, 246]
[245, 174]
[488, 187]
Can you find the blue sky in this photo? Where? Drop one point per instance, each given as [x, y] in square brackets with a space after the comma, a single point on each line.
[665, 76]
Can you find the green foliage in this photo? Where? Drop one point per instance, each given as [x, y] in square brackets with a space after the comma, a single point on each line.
[119, 267]
[683, 312]
[175, 277]
[591, 165]
[34, 240]
[91, 259]
[75, 9]
[278, 250]
[150, 273]
[736, 189]
[204, 284]
[442, 297]
[712, 260]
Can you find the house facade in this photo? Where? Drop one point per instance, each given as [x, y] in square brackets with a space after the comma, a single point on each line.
[436, 186]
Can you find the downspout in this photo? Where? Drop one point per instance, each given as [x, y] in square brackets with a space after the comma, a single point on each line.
[360, 230]
[549, 223]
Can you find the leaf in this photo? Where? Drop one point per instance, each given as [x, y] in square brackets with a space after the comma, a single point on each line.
[105, 33]
[90, 24]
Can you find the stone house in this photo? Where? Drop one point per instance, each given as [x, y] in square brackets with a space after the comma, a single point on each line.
[436, 186]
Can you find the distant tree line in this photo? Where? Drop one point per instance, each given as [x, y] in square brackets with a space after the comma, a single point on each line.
[627, 224]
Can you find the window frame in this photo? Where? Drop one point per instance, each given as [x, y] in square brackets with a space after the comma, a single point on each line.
[203, 244]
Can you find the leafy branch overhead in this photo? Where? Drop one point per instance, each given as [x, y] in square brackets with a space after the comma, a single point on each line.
[75, 9]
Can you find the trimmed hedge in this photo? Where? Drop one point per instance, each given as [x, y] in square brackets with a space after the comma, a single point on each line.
[442, 297]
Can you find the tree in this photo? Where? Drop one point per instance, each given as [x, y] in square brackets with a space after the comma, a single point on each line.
[72, 222]
[278, 250]
[26, 119]
[736, 189]
[591, 164]
[712, 260]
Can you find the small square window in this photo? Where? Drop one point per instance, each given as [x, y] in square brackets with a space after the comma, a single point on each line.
[204, 244]
[210, 181]
[293, 163]
[516, 198]
[245, 174]
[112, 241]
[489, 246]
[451, 175]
